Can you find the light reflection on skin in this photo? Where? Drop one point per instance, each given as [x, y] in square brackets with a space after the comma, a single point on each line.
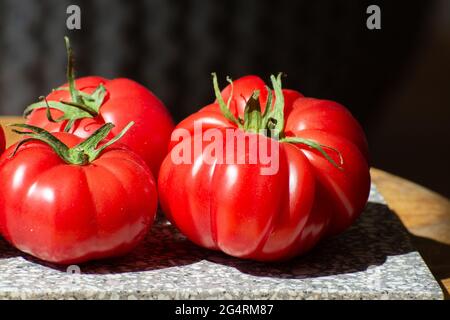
[232, 175]
[197, 165]
[47, 194]
[18, 177]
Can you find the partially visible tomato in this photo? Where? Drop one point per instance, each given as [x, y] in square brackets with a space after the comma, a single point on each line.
[2, 140]
[320, 188]
[69, 205]
[99, 101]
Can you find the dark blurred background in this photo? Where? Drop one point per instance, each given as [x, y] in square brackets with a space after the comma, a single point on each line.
[396, 80]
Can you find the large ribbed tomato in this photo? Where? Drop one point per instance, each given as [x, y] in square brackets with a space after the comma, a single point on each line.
[67, 201]
[93, 101]
[320, 188]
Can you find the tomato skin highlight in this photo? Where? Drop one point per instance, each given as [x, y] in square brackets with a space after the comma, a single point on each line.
[125, 101]
[70, 214]
[235, 209]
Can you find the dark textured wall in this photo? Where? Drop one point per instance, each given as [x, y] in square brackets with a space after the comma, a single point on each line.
[393, 80]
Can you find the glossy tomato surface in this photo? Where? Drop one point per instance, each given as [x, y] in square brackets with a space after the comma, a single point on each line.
[232, 207]
[65, 213]
[125, 101]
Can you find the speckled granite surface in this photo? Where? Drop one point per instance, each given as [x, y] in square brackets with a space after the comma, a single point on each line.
[372, 260]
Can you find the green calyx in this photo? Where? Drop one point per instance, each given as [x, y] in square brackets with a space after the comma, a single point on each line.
[254, 120]
[82, 105]
[81, 154]
[271, 121]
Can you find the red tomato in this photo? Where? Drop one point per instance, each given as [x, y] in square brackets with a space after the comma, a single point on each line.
[232, 207]
[2, 140]
[66, 213]
[124, 100]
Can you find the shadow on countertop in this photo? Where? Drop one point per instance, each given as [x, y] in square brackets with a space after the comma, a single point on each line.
[376, 235]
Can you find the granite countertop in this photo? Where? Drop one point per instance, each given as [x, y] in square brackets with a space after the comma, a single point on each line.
[374, 259]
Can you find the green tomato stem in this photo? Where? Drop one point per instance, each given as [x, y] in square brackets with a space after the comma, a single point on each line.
[82, 105]
[225, 108]
[319, 147]
[70, 72]
[271, 121]
[82, 154]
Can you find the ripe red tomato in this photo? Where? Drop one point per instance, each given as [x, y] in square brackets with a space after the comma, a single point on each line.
[320, 188]
[99, 101]
[2, 140]
[65, 207]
